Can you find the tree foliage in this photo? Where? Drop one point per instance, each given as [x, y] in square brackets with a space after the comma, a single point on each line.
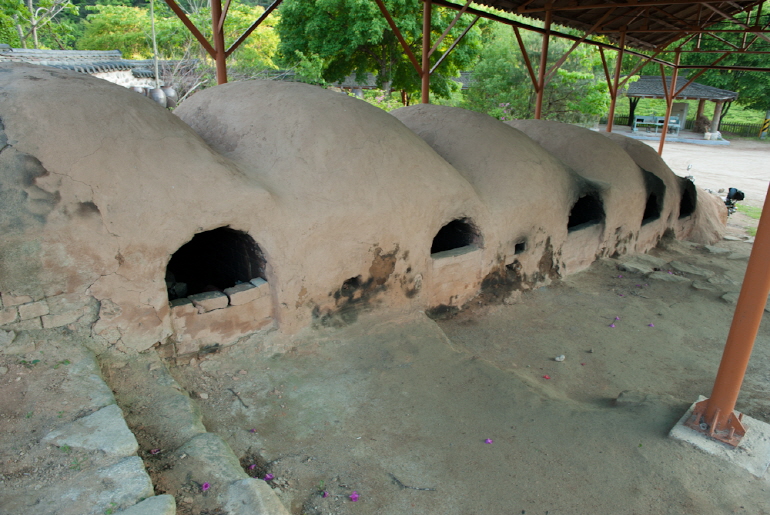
[502, 86]
[127, 29]
[30, 18]
[352, 36]
[752, 87]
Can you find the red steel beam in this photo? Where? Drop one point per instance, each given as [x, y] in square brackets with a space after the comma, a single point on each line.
[400, 37]
[628, 3]
[525, 55]
[253, 26]
[543, 63]
[615, 86]
[446, 32]
[427, 10]
[191, 27]
[454, 44]
[669, 100]
[541, 30]
[219, 42]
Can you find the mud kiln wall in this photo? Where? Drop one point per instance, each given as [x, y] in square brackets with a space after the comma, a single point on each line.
[100, 187]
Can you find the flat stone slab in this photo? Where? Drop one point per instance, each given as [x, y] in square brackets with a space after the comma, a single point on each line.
[96, 491]
[706, 286]
[752, 454]
[636, 267]
[104, 430]
[667, 277]
[711, 249]
[157, 505]
[651, 261]
[209, 300]
[685, 268]
[730, 297]
[252, 497]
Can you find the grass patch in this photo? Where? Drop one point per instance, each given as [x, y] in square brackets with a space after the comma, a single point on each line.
[751, 231]
[750, 211]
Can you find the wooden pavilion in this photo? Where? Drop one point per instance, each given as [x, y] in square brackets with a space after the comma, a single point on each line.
[649, 86]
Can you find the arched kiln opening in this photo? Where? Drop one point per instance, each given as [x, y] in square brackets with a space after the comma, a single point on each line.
[217, 290]
[213, 261]
[457, 234]
[587, 211]
[656, 192]
[689, 198]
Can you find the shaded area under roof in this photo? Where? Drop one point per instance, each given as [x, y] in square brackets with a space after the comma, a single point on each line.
[651, 86]
[647, 23]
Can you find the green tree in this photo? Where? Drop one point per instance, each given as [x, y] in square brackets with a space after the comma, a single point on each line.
[352, 36]
[31, 17]
[752, 87]
[127, 29]
[502, 86]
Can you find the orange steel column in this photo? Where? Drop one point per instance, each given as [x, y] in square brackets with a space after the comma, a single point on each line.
[426, 15]
[669, 100]
[219, 41]
[543, 62]
[615, 80]
[715, 415]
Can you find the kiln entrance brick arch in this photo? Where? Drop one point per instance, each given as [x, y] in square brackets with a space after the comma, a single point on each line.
[656, 192]
[587, 211]
[214, 261]
[457, 234]
[689, 198]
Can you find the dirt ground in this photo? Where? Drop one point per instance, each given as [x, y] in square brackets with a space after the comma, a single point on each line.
[473, 415]
[742, 165]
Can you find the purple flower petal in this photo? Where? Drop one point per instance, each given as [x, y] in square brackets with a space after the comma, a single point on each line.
[154, 451]
[205, 486]
[650, 325]
[252, 430]
[354, 496]
[488, 440]
[269, 477]
[617, 318]
[612, 325]
[252, 466]
[325, 494]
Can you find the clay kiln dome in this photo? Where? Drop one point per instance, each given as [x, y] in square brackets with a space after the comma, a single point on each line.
[100, 186]
[526, 189]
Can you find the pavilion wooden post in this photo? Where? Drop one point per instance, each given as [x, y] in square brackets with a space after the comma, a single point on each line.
[717, 115]
[426, 15]
[716, 416]
[615, 83]
[543, 62]
[670, 93]
[220, 58]
[701, 105]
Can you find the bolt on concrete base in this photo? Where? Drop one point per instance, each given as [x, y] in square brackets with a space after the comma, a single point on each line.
[752, 454]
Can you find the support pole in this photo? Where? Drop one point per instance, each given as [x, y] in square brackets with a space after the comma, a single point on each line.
[615, 83]
[543, 62]
[701, 105]
[426, 15]
[219, 41]
[669, 99]
[715, 415]
[717, 115]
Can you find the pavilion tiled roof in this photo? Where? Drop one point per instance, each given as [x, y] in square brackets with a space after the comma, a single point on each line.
[651, 86]
[84, 61]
